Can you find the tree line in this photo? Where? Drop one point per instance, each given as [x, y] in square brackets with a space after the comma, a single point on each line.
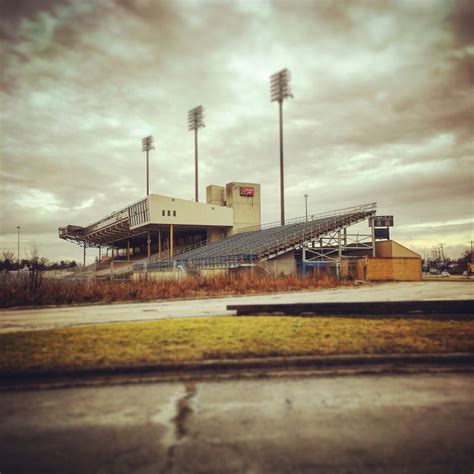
[10, 263]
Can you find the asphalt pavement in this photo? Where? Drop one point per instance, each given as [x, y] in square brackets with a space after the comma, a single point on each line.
[45, 318]
[419, 423]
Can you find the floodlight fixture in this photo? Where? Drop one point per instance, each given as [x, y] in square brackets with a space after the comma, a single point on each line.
[280, 89]
[196, 118]
[147, 145]
[195, 122]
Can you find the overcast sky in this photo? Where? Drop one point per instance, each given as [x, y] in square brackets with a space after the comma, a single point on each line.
[382, 110]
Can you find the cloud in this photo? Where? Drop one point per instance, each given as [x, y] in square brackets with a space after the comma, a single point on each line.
[382, 108]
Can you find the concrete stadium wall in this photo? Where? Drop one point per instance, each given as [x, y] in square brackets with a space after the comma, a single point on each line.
[282, 265]
[177, 275]
[169, 275]
[213, 272]
[247, 211]
[215, 195]
[389, 269]
[188, 212]
[390, 248]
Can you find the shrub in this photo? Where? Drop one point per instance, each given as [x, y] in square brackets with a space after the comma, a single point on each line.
[14, 291]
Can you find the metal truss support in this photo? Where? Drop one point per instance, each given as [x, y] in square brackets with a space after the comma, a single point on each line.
[333, 248]
[373, 239]
[148, 242]
[159, 243]
[171, 240]
[339, 247]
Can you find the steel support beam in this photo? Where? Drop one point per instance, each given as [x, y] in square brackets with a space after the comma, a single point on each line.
[148, 241]
[373, 239]
[171, 240]
[282, 178]
[339, 248]
[159, 243]
[196, 170]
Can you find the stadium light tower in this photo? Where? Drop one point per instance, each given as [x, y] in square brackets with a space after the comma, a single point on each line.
[280, 90]
[147, 145]
[306, 206]
[195, 122]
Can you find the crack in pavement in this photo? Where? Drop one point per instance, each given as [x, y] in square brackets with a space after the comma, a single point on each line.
[184, 410]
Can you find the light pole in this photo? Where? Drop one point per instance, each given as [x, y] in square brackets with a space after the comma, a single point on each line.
[18, 254]
[280, 90]
[441, 251]
[147, 145]
[306, 206]
[195, 122]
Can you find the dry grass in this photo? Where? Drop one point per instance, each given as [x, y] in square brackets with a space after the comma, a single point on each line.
[118, 345]
[58, 292]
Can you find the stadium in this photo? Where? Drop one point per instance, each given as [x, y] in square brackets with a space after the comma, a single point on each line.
[167, 237]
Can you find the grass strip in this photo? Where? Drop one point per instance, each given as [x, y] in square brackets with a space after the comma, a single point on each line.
[199, 339]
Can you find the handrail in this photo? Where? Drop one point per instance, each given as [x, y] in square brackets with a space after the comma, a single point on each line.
[257, 253]
[312, 217]
[304, 234]
[365, 208]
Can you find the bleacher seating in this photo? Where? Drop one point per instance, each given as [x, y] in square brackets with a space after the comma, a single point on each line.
[267, 243]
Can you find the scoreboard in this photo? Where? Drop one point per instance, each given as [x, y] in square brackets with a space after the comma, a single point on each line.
[381, 221]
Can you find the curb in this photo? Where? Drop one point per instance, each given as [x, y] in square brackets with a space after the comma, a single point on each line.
[229, 365]
[167, 300]
[439, 310]
[449, 280]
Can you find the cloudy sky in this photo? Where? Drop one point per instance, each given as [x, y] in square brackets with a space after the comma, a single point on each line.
[382, 110]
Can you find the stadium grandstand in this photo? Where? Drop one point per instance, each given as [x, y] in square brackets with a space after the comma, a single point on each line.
[162, 234]
[267, 242]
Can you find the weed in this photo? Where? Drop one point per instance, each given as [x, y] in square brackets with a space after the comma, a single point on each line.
[63, 292]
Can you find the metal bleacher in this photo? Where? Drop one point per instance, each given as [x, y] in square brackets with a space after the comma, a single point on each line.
[263, 243]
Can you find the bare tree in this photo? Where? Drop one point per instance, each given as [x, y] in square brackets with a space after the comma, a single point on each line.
[7, 262]
[35, 265]
[8, 255]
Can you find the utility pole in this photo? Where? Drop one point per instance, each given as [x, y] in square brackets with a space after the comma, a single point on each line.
[18, 254]
[195, 122]
[147, 145]
[441, 251]
[280, 89]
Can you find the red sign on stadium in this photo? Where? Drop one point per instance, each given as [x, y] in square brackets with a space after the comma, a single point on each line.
[246, 191]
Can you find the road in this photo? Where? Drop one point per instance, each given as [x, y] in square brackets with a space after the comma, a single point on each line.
[421, 423]
[45, 318]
